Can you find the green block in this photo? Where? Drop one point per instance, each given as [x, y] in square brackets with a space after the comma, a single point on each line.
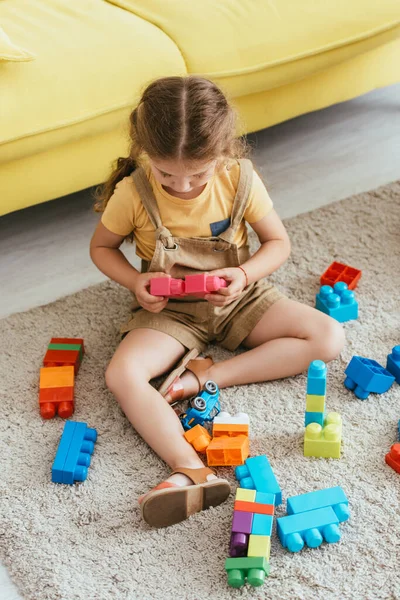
[315, 403]
[67, 347]
[324, 442]
[254, 568]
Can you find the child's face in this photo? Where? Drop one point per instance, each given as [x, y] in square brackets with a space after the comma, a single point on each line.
[182, 178]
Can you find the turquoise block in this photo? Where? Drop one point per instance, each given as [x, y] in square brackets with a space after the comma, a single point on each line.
[314, 417]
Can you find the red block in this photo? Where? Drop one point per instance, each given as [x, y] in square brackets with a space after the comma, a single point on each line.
[68, 341]
[393, 457]
[341, 272]
[254, 507]
[62, 358]
[167, 286]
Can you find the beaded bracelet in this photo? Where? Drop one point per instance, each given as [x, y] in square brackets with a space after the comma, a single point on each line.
[245, 274]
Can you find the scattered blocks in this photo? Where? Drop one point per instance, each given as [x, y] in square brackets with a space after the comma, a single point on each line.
[73, 454]
[365, 376]
[56, 391]
[199, 437]
[257, 474]
[310, 528]
[392, 458]
[338, 302]
[340, 272]
[334, 497]
[393, 363]
[316, 378]
[324, 442]
[230, 443]
[196, 285]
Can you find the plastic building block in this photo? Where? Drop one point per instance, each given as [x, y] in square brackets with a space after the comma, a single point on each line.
[202, 284]
[246, 495]
[259, 545]
[341, 272]
[73, 454]
[310, 528]
[315, 403]
[316, 378]
[398, 431]
[167, 286]
[257, 474]
[242, 522]
[262, 524]
[365, 375]
[225, 424]
[60, 358]
[69, 341]
[314, 417]
[334, 497]
[198, 437]
[238, 544]
[226, 451]
[56, 400]
[253, 568]
[56, 377]
[324, 442]
[254, 507]
[393, 457]
[338, 302]
[393, 363]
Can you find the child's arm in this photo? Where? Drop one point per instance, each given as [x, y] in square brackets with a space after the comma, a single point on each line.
[106, 255]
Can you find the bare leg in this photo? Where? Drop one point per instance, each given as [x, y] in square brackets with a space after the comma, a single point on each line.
[283, 343]
[141, 356]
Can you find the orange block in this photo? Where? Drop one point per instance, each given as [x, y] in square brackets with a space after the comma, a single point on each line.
[51, 377]
[230, 429]
[254, 507]
[199, 437]
[226, 451]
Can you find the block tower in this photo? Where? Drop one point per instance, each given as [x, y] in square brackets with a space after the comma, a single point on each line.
[250, 545]
[323, 435]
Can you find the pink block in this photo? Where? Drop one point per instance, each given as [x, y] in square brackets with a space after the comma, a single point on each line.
[202, 284]
[167, 286]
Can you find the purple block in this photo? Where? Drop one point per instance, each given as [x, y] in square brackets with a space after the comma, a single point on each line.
[242, 522]
[239, 545]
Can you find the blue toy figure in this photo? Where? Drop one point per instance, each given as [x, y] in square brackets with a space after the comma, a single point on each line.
[203, 408]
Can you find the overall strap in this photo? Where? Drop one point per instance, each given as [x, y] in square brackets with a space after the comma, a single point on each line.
[149, 202]
[240, 201]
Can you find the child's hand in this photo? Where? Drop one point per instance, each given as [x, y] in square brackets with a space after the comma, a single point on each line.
[236, 280]
[154, 304]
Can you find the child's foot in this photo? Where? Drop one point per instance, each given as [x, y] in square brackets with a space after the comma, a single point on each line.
[191, 381]
[184, 493]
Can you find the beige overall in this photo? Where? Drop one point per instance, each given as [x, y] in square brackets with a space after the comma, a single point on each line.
[195, 322]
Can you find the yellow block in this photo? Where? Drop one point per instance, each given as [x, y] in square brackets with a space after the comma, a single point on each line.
[246, 495]
[315, 403]
[259, 545]
[324, 442]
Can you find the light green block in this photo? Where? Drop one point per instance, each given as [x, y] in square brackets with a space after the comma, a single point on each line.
[324, 442]
[315, 403]
[246, 495]
[259, 545]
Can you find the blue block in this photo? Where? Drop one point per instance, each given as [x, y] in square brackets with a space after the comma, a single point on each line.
[62, 452]
[316, 378]
[256, 474]
[76, 455]
[314, 417]
[265, 498]
[262, 524]
[310, 528]
[338, 302]
[334, 497]
[365, 375]
[393, 363]
[398, 431]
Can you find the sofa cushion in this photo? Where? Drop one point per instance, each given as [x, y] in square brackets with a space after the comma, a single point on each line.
[251, 46]
[11, 52]
[92, 61]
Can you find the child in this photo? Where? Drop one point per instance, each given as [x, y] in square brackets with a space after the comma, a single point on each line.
[184, 194]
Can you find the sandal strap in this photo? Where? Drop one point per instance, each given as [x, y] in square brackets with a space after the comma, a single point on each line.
[198, 366]
[195, 475]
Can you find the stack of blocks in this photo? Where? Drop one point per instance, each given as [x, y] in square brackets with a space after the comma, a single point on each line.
[313, 518]
[57, 377]
[252, 522]
[323, 435]
[73, 454]
[230, 443]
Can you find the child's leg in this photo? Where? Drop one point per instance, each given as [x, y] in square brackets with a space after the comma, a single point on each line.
[283, 343]
[142, 355]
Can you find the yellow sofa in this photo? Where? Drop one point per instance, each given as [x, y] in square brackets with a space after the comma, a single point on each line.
[71, 70]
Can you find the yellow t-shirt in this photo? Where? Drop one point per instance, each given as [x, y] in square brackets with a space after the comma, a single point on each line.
[204, 216]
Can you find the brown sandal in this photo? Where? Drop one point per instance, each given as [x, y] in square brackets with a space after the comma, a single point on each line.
[175, 390]
[172, 504]
[179, 369]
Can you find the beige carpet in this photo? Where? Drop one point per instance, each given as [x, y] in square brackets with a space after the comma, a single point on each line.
[87, 542]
